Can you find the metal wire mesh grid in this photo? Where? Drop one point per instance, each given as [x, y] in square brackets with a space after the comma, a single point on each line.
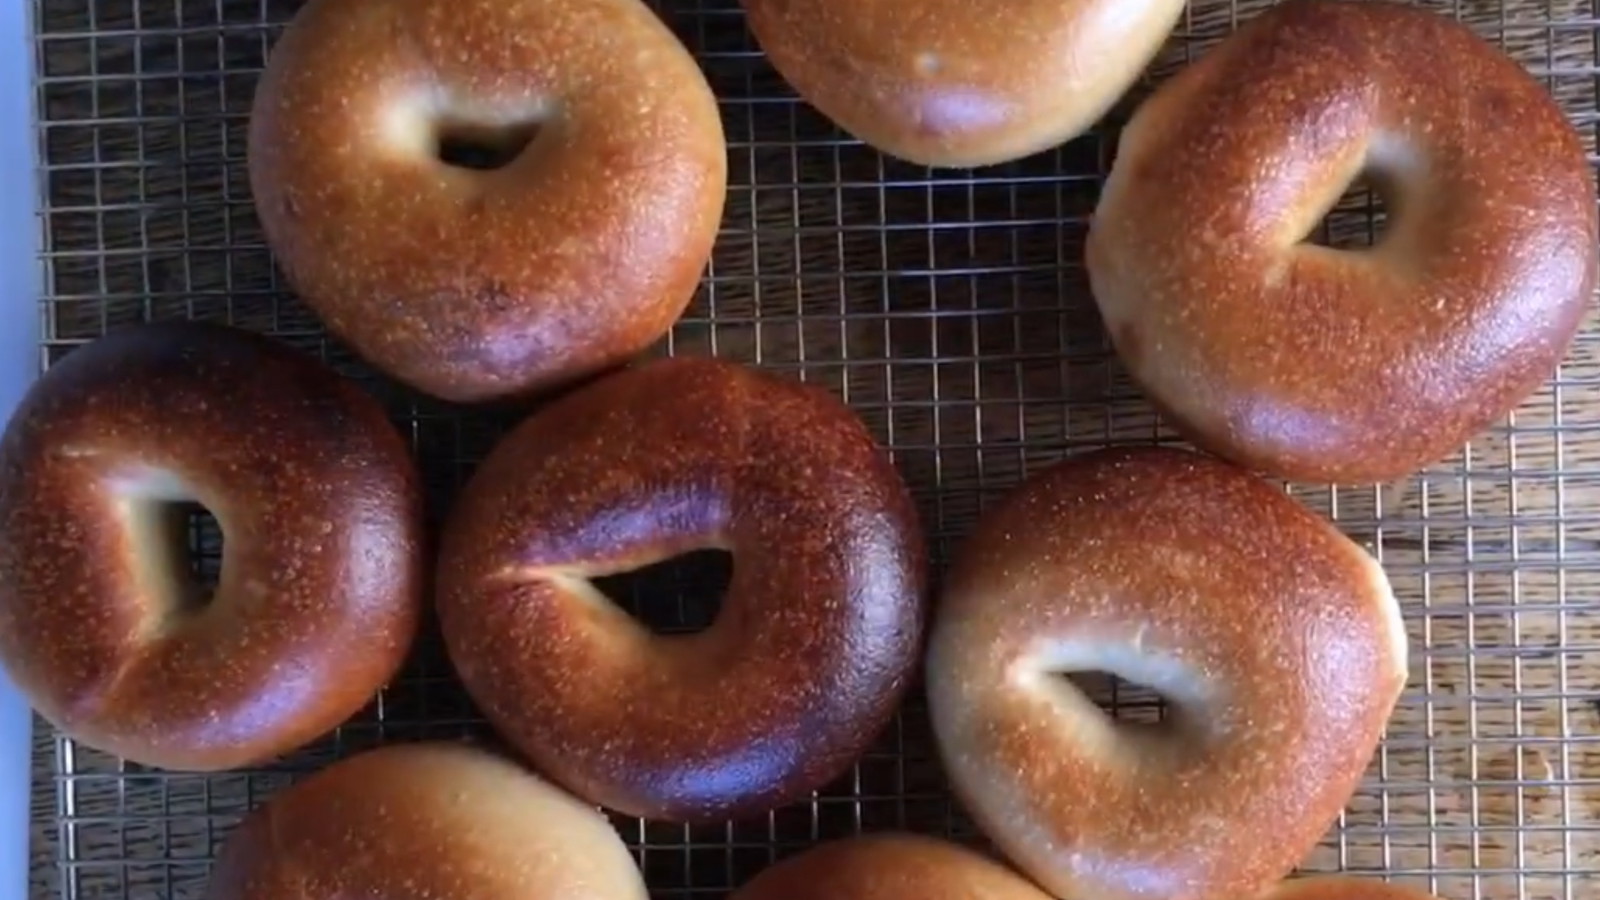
[950, 309]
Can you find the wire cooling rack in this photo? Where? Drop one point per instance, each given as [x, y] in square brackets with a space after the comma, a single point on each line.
[951, 310]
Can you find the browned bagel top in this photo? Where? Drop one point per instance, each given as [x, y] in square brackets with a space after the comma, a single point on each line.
[818, 634]
[321, 580]
[430, 821]
[957, 83]
[1274, 639]
[1328, 365]
[470, 284]
[888, 866]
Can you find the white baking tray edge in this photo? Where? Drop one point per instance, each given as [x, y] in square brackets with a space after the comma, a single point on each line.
[20, 292]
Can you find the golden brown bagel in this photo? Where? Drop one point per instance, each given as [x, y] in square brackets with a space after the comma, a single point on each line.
[1274, 639]
[322, 574]
[471, 285]
[888, 867]
[1318, 364]
[815, 642]
[958, 83]
[1337, 887]
[435, 821]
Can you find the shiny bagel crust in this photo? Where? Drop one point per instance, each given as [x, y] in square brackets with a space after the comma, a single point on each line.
[1336, 366]
[819, 632]
[428, 820]
[889, 866]
[1274, 639]
[322, 573]
[953, 83]
[477, 285]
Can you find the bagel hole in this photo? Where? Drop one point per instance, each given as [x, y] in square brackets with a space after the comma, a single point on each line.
[1142, 688]
[181, 544]
[1125, 701]
[483, 147]
[200, 545]
[1360, 217]
[679, 595]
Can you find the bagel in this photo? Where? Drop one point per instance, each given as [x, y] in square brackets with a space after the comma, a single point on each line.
[888, 866]
[1335, 366]
[952, 83]
[1274, 639]
[576, 239]
[817, 637]
[1338, 887]
[427, 820]
[101, 626]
